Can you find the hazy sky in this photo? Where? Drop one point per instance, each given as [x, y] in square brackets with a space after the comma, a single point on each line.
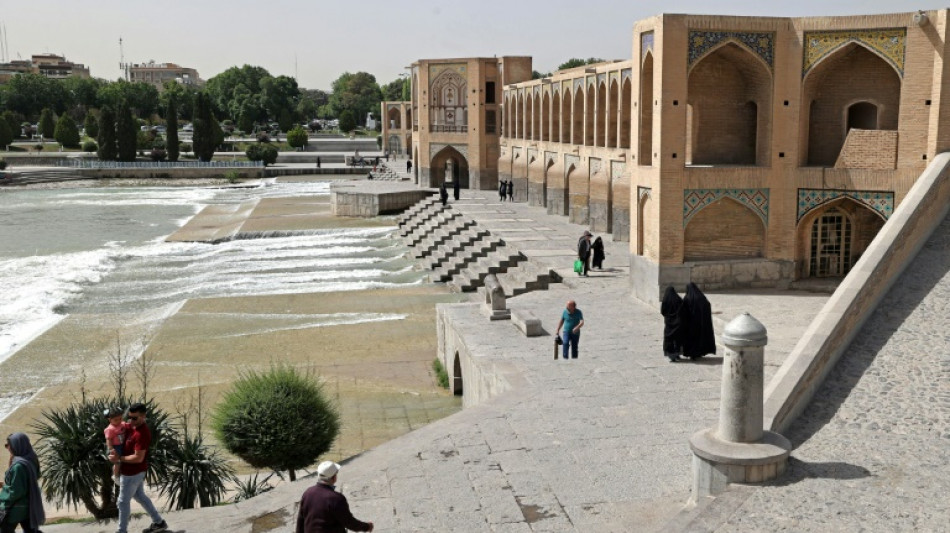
[320, 39]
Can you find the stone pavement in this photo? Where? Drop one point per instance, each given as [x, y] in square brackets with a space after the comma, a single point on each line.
[871, 449]
[594, 444]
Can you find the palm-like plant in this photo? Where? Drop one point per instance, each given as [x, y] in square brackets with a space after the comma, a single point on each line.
[72, 453]
[197, 473]
[245, 489]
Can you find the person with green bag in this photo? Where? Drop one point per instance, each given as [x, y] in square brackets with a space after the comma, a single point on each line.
[583, 255]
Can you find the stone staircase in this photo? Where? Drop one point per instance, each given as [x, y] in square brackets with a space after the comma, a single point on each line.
[462, 254]
[40, 176]
[385, 171]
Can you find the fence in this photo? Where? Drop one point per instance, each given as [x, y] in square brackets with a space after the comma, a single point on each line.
[95, 163]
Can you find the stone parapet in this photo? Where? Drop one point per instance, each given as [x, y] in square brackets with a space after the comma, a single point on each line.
[373, 199]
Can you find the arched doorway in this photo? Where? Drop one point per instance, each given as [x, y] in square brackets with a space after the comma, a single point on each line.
[625, 116]
[613, 114]
[729, 96]
[836, 103]
[394, 144]
[835, 236]
[589, 114]
[457, 376]
[546, 117]
[577, 114]
[449, 160]
[395, 118]
[646, 111]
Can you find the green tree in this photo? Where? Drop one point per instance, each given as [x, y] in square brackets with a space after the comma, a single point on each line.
[392, 91]
[29, 94]
[575, 62]
[83, 92]
[14, 122]
[47, 124]
[358, 93]
[297, 137]
[279, 419]
[126, 134]
[347, 122]
[66, 133]
[6, 134]
[262, 152]
[141, 98]
[107, 145]
[203, 134]
[171, 127]
[91, 126]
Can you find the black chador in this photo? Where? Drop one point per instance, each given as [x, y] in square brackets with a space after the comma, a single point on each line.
[699, 338]
[673, 324]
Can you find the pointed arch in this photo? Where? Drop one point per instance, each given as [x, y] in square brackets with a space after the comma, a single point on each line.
[602, 111]
[577, 113]
[440, 163]
[725, 229]
[613, 113]
[457, 381]
[832, 237]
[646, 111]
[626, 100]
[590, 113]
[448, 102]
[566, 115]
[519, 117]
[829, 90]
[395, 118]
[536, 117]
[730, 98]
[546, 116]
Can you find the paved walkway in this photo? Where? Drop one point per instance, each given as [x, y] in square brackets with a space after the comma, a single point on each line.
[594, 444]
[871, 450]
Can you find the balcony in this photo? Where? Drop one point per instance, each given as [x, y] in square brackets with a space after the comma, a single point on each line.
[443, 128]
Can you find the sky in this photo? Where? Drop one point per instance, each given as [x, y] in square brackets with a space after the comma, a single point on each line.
[317, 40]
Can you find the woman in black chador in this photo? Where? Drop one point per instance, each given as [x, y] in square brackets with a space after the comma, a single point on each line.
[699, 338]
[673, 326]
[598, 248]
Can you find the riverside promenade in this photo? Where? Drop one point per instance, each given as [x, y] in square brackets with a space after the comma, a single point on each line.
[594, 444]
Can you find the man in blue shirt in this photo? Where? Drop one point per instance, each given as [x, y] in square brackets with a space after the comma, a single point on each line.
[572, 320]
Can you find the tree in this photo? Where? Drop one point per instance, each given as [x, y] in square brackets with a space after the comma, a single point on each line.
[575, 62]
[358, 93]
[29, 94]
[279, 419]
[535, 75]
[297, 137]
[140, 97]
[47, 124]
[347, 122]
[13, 121]
[203, 133]
[126, 134]
[262, 152]
[66, 133]
[392, 91]
[6, 134]
[107, 145]
[171, 127]
[91, 126]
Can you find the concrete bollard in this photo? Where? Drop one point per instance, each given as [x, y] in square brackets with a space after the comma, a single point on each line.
[739, 450]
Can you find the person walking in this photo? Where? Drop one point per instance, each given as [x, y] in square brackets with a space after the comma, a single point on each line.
[318, 162]
[132, 467]
[20, 496]
[323, 509]
[511, 190]
[583, 251]
[502, 188]
[572, 320]
[699, 339]
[443, 194]
[408, 166]
[598, 250]
[673, 324]
[456, 188]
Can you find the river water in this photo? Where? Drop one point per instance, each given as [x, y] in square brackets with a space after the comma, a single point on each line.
[94, 250]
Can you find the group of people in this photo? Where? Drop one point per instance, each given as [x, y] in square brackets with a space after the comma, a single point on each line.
[589, 252]
[506, 190]
[444, 193]
[687, 324]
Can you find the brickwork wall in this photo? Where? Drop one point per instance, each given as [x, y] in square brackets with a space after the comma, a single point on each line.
[600, 202]
[579, 194]
[875, 149]
[724, 230]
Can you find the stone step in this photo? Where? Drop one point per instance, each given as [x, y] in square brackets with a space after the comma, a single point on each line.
[421, 218]
[415, 209]
[497, 261]
[441, 235]
[451, 248]
[526, 277]
[481, 247]
[430, 226]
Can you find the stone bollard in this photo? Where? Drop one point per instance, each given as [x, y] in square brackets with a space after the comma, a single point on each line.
[495, 306]
[739, 450]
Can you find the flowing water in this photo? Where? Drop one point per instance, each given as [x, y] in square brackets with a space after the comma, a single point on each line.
[102, 250]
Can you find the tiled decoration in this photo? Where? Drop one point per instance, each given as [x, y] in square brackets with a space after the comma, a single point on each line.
[602, 77]
[889, 43]
[578, 83]
[694, 200]
[761, 44]
[646, 44]
[880, 201]
[436, 69]
[435, 148]
[626, 74]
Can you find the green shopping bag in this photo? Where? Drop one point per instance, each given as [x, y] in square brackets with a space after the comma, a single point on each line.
[578, 266]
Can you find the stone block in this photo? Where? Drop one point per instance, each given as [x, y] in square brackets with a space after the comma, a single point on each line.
[527, 322]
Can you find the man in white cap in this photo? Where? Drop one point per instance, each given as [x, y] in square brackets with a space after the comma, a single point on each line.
[323, 509]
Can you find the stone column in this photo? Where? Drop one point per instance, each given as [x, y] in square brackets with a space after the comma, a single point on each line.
[739, 450]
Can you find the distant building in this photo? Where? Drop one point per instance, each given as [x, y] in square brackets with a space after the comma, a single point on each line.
[49, 65]
[158, 73]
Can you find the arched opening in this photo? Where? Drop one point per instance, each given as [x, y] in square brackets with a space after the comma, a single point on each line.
[555, 118]
[536, 117]
[724, 229]
[646, 111]
[602, 114]
[415, 166]
[448, 166]
[834, 236]
[565, 117]
[546, 117]
[395, 144]
[831, 93]
[457, 376]
[863, 116]
[626, 98]
[590, 112]
[395, 119]
[727, 90]
[577, 126]
[448, 109]
[643, 206]
[408, 117]
[613, 114]
[519, 118]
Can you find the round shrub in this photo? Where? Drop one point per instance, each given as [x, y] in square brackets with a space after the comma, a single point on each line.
[89, 146]
[262, 152]
[279, 419]
[158, 154]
